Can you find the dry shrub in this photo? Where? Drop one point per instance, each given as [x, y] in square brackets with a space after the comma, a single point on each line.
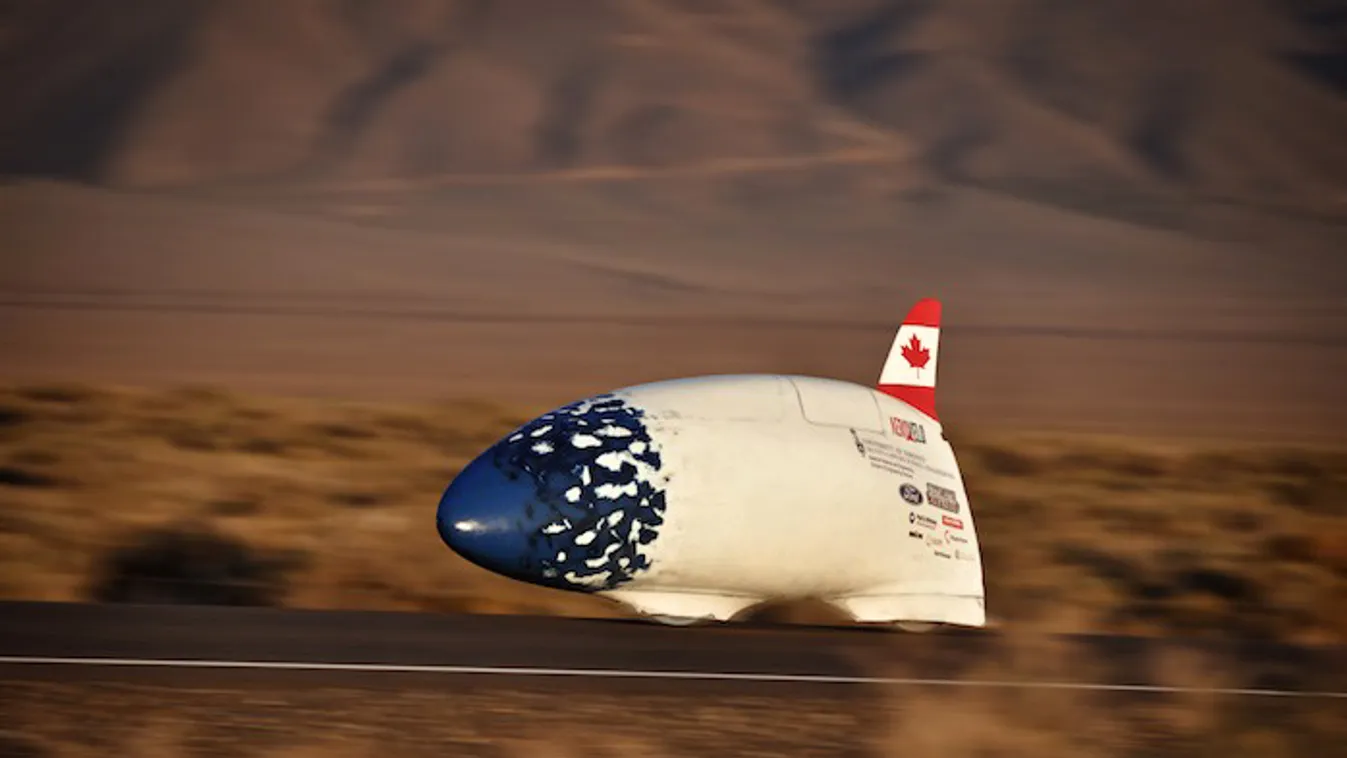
[1005, 461]
[192, 564]
[15, 745]
[12, 416]
[60, 393]
[26, 477]
[1329, 549]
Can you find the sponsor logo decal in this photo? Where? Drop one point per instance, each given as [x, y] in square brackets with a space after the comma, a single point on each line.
[952, 537]
[943, 554]
[942, 498]
[907, 430]
[914, 534]
[910, 493]
[951, 522]
[964, 555]
[882, 454]
[920, 520]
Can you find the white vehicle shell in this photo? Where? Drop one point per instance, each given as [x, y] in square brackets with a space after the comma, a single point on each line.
[695, 499]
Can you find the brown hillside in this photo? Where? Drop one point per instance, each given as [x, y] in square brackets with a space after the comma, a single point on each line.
[1104, 104]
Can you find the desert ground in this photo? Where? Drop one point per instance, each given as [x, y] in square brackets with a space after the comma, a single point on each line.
[196, 495]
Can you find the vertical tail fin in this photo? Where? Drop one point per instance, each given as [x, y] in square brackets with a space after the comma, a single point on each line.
[909, 371]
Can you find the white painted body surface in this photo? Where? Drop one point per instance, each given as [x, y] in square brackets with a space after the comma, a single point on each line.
[766, 503]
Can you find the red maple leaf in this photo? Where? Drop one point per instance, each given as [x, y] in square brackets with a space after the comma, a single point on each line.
[916, 355]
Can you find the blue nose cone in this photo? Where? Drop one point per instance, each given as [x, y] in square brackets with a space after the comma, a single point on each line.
[485, 516]
[572, 500]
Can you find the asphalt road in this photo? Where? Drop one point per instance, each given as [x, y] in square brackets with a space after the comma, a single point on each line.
[170, 644]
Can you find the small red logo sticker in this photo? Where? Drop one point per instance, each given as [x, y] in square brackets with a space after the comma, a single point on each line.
[951, 522]
[907, 430]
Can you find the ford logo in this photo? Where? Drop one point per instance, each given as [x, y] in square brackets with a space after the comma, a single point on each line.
[910, 493]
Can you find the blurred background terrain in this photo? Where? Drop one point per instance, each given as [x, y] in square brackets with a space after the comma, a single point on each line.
[1135, 213]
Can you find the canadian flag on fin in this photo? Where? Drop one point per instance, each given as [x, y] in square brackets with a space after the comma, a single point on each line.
[909, 372]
